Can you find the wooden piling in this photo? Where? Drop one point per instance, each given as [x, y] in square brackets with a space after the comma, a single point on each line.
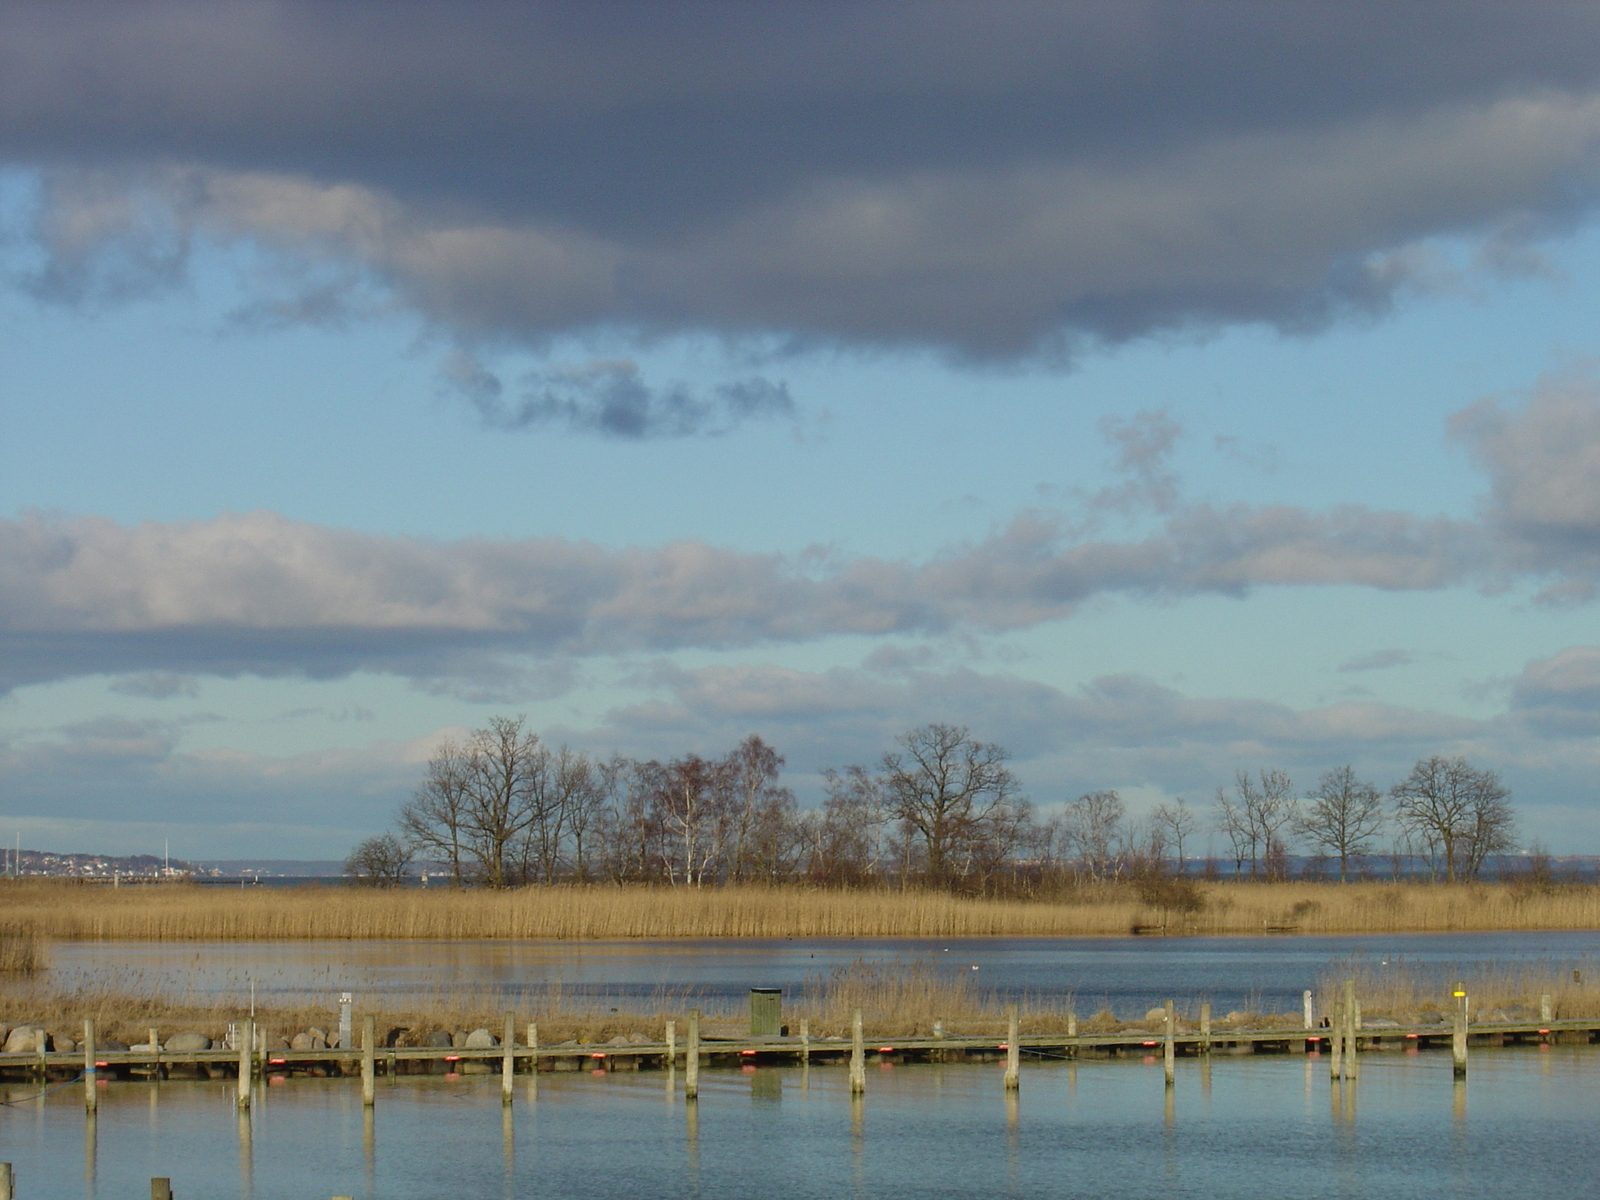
[1351, 1067]
[247, 1059]
[691, 1058]
[805, 1039]
[160, 1188]
[1546, 1010]
[7, 1187]
[1308, 1012]
[369, 1061]
[508, 1057]
[858, 1056]
[1336, 1043]
[1205, 1028]
[1013, 1049]
[91, 1096]
[672, 1043]
[155, 1056]
[1072, 1031]
[1169, 1049]
[1458, 1037]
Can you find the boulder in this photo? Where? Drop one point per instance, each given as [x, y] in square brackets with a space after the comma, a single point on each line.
[62, 1045]
[279, 1043]
[439, 1039]
[1156, 1017]
[320, 1034]
[481, 1039]
[311, 1039]
[24, 1039]
[110, 1043]
[392, 1038]
[1379, 1023]
[619, 1040]
[458, 1039]
[183, 1043]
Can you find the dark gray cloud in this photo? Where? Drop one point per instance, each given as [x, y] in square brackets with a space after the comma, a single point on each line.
[157, 685]
[611, 397]
[990, 182]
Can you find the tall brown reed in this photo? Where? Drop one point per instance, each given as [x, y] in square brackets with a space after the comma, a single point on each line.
[193, 913]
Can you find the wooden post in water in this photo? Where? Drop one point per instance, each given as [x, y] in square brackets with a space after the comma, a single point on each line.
[1308, 1010]
[1169, 1049]
[160, 1188]
[858, 1056]
[91, 1098]
[247, 1060]
[1205, 1028]
[691, 1058]
[369, 1061]
[7, 1187]
[1546, 1011]
[508, 1056]
[1072, 1031]
[1013, 1050]
[1336, 1043]
[805, 1039]
[672, 1044]
[1351, 1068]
[155, 1057]
[1458, 1037]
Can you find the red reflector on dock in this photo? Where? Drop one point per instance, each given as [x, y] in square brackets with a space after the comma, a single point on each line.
[1149, 1043]
[597, 1054]
[885, 1049]
[1411, 1035]
[747, 1052]
[1544, 1031]
[276, 1062]
[452, 1058]
[98, 1065]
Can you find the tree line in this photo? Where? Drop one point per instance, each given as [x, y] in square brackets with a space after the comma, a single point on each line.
[940, 808]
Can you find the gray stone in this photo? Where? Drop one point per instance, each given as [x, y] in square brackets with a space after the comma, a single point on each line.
[1156, 1017]
[110, 1043]
[440, 1039]
[279, 1043]
[24, 1039]
[481, 1039]
[1379, 1023]
[619, 1040]
[62, 1045]
[320, 1034]
[183, 1043]
[302, 1041]
[458, 1039]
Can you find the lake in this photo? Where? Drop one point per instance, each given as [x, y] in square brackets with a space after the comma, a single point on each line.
[1267, 1126]
[1126, 974]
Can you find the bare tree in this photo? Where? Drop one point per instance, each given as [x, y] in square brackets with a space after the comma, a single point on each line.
[1233, 822]
[1459, 813]
[942, 786]
[1177, 823]
[1265, 808]
[847, 843]
[380, 861]
[434, 819]
[763, 807]
[1343, 816]
[1093, 827]
[692, 799]
[506, 792]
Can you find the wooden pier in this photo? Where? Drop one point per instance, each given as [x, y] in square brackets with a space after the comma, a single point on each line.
[1167, 1043]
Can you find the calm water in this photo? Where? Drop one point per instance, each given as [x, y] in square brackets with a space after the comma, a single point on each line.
[1125, 974]
[1257, 1127]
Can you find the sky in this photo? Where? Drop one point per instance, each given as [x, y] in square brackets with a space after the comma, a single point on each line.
[1156, 389]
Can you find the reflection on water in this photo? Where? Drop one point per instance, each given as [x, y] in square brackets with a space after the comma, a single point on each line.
[1128, 975]
[1268, 1126]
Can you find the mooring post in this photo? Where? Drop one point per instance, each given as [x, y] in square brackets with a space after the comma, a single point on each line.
[160, 1188]
[369, 1061]
[1169, 1047]
[1308, 1009]
[1072, 1032]
[1205, 1028]
[805, 1039]
[672, 1044]
[1352, 1066]
[91, 1098]
[6, 1187]
[508, 1057]
[858, 1056]
[155, 1057]
[1013, 1050]
[1546, 1011]
[1336, 1043]
[247, 1060]
[691, 1058]
[1458, 1038]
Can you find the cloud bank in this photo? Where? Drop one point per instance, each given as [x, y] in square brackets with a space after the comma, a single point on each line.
[866, 174]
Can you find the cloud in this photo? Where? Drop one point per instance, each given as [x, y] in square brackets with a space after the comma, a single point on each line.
[1379, 660]
[610, 397]
[868, 174]
[157, 685]
[1559, 696]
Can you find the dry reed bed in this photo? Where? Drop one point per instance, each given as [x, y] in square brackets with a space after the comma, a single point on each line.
[79, 912]
[1410, 992]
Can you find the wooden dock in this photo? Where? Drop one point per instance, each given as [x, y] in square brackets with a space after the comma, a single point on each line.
[713, 1052]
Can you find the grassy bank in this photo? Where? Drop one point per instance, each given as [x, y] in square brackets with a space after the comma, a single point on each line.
[62, 910]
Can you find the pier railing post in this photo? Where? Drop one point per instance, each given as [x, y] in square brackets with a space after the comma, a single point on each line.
[1205, 1028]
[672, 1044]
[805, 1039]
[91, 1097]
[247, 1060]
[858, 1056]
[1169, 1048]
[1072, 1032]
[369, 1061]
[508, 1057]
[1013, 1050]
[1458, 1037]
[691, 1058]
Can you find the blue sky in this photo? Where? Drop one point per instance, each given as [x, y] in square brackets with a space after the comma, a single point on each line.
[1269, 437]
